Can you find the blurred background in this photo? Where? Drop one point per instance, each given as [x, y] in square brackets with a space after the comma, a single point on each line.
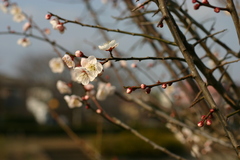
[34, 117]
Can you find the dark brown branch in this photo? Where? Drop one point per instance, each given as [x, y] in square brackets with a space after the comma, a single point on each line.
[114, 30]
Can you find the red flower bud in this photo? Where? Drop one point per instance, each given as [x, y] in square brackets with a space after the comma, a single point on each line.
[148, 90]
[212, 110]
[217, 10]
[208, 122]
[197, 6]
[200, 124]
[202, 117]
[129, 90]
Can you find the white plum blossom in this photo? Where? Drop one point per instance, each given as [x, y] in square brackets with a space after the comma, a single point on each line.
[68, 60]
[24, 42]
[92, 65]
[4, 8]
[54, 23]
[62, 87]
[19, 17]
[56, 65]
[104, 90]
[73, 101]
[15, 10]
[82, 75]
[109, 46]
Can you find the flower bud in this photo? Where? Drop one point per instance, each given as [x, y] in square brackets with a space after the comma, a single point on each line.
[133, 65]
[200, 124]
[98, 111]
[203, 116]
[143, 86]
[148, 90]
[48, 16]
[205, 1]
[217, 10]
[208, 122]
[197, 6]
[129, 90]
[79, 53]
[164, 85]
[194, 1]
[212, 110]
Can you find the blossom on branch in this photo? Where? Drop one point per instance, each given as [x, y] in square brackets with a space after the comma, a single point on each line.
[57, 25]
[82, 75]
[104, 90]
[63, 87]
[68, 60]
[109, 46]
[73, 101]
[24, 42]
[19, 17]
[4, 8]
[56, 65]
[92, 65]
[15, 10]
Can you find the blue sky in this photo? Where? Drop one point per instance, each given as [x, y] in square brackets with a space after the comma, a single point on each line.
[75, 36]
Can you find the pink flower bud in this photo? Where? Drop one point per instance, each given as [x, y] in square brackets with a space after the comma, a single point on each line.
[164, 85]
[212, 110]
[200, 124]
[194, 1]
[217, 10]
[48, 16]
[143, 86]
[203, 116]
[129, 90]
[78, 53]
[133, 65]
[205, 1]
[98, 111]
[85, 98]
[208, 122]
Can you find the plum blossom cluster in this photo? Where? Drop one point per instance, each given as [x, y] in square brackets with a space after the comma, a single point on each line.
[56, 24]
[14, 9]
[18, 16]
[88, 70]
